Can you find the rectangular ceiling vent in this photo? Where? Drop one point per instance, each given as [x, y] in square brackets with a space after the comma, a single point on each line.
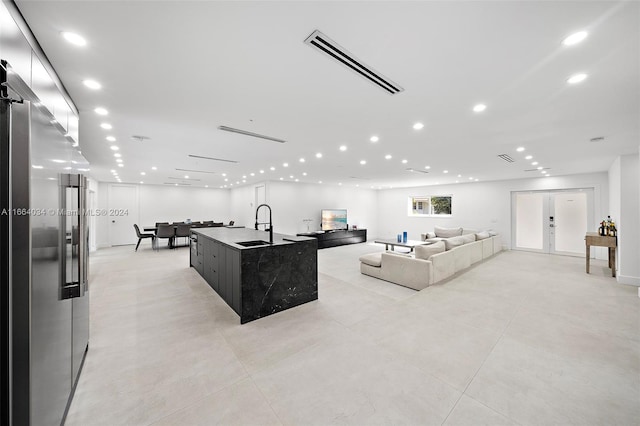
[329, 47]
[417, 170]
[248, 133]
[538, 170]
[196, 171]
[506, 158]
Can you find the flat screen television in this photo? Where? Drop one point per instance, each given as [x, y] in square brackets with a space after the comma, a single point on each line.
[334, 219]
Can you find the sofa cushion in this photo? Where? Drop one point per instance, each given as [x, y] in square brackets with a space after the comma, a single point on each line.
[468, 238]
[426, 251]
[430, 235]
[482, 235]
[453, 242]
[372, 259]
[447, 232]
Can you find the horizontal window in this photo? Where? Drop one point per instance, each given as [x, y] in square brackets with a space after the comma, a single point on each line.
[430, 205]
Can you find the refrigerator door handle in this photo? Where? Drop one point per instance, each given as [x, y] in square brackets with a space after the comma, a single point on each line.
[73, 281]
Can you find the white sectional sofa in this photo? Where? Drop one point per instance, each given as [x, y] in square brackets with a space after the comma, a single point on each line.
[434, 262]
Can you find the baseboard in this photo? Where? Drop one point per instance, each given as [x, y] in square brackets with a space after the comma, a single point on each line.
[627, 280]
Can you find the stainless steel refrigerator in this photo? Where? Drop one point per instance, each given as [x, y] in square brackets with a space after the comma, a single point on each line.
[44, 255]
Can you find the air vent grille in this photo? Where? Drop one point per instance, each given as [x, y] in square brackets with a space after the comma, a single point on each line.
[195, 171]
[140, 138]
[329, 47]
[212, 158]
[537, 170]
[417, 170]
[506, 158]
[248, 133]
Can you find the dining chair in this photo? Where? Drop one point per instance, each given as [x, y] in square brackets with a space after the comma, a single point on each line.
[142, 236]
[218, 224]
[165, 231]
[183, 231]
[231, 222]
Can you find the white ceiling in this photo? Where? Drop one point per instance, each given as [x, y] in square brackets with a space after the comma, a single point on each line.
[174, 71]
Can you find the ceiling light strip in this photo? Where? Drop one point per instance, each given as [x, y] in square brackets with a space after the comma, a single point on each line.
[212, 158]
[337, 52]
[247, 133]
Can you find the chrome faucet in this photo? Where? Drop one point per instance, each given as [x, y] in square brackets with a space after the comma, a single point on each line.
[270, 223]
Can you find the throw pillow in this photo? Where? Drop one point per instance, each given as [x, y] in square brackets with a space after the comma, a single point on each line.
[431, 234]
[468, 238]
[426, 251]
[482, 235]
[447, 232]
[453, 242]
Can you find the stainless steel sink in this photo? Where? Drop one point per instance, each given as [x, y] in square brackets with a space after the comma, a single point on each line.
[253, 243]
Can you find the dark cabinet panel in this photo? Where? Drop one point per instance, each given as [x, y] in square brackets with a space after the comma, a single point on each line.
[338, 238]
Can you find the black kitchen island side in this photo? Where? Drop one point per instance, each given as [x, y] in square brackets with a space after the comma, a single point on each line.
[259, 279]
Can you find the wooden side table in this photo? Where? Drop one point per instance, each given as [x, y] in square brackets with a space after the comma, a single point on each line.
[595, 239]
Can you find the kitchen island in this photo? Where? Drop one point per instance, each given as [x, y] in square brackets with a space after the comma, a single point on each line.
[255, 277]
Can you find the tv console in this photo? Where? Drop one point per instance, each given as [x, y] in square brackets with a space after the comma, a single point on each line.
[337, 238]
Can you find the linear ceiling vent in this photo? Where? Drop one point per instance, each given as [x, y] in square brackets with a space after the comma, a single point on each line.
[417, 170]
[506, 158]
[212, 158]
[140, 138]
[247, 133]
[197, 171]
[337, 52]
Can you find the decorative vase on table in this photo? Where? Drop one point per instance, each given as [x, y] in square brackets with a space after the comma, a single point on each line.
[404, 237]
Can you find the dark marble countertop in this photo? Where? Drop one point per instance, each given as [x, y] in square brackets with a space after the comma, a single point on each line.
[232, 236]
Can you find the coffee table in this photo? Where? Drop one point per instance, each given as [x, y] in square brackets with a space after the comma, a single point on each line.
[410, 244]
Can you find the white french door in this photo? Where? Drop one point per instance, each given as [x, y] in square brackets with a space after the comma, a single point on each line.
[552, 222]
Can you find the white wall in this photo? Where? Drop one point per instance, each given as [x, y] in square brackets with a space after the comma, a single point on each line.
[162, 203]
[291, 203]
[479, 205]
[624, 187]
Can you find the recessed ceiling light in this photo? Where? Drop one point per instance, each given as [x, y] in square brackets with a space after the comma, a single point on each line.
[445, 171]
[427, 167]
[374, 139]
[520, 149]
[142, 173]
[539, 168]
[577, 78]
[111, 138]
[117, 155]
[187, 176]
[154, 168]
[261, 171]
[118, 160]
[343, 147]
[479, 108]
[304, 173]
[339, 183]
[476, 180]
[252, 174]
[319, 181]
[470, 178]
[528, 157]
[272, 168]
[418, 126]
[281, 178]
[404, 161]
[224, 174]
[543, 172]
[206, 186]
[74, 38]
[363, 162]
[575, 38]
[114, 148]
[101, 111]
[290, 176]
[113, 171]
[319, 155]
[120, 165]
[535, 163]
[459, 176]
[141, 182]
[37, 167]
[388, 157]
[226, 180]
[106, 126]
[92, 84]
[302, 160]
[285, 164]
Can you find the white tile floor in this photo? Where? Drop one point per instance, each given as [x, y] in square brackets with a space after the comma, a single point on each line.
[522, 338]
